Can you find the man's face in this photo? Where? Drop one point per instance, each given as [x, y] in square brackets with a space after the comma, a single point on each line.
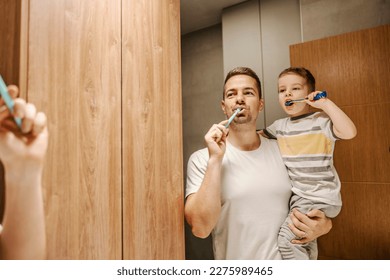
[240, 91]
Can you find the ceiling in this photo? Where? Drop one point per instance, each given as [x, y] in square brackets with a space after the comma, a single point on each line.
[198, 14]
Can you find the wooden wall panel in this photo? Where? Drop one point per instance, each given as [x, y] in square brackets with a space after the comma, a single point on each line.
[152, 137]
[10, 40]
[355, 68]
[361, 231]
[352, 67]
[74, 75]
[367, 157]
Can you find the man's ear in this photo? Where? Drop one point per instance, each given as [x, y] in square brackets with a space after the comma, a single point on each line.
[261, 105]
[223, 106]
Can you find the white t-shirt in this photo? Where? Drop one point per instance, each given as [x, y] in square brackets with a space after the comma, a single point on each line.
[255, 200]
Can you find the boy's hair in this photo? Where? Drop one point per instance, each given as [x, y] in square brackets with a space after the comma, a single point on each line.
[304, 73]
[242, 71]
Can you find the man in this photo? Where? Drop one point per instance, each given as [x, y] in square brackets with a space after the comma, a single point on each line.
[237, 188]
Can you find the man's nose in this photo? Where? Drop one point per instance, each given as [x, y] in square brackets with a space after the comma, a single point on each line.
[288, 93]
[240, 98]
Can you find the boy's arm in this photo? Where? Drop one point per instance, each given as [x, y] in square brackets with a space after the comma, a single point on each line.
[343, 127]
[262, 133]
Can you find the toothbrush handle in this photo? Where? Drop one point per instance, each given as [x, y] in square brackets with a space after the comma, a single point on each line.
[320, 95]
[9, 102]
[232, 117]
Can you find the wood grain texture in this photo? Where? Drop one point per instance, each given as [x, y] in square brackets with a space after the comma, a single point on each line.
[74, 75]
[366, 158]
[10, 40]
[354, 68]
[153, 202]
[23, 48]
[362, 230]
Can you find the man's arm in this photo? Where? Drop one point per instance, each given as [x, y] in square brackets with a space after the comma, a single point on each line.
[202, 209]
[23, 236]
[22, 154]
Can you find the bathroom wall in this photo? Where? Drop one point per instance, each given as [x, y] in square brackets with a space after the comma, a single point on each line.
[202, 78]
[257, 34]
[324, 18]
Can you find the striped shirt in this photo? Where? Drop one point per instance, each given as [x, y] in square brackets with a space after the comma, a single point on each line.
[306, 144]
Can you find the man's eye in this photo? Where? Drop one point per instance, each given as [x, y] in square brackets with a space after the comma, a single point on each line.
[229, 94]
[281, 90]
[296, 89]
[249, 93]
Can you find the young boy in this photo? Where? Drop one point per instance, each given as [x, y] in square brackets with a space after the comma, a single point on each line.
[306, 141]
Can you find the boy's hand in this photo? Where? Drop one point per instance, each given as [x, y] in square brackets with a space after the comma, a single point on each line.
[320, 103]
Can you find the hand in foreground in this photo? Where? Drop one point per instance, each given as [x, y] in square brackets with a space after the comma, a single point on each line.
[310, 226]
[28, 144]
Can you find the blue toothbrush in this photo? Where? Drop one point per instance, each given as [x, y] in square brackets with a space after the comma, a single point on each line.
[319, 95]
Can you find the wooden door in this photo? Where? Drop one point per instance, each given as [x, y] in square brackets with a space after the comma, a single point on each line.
[107, 74]
[74, 75]
[153, 223]
[354, 68]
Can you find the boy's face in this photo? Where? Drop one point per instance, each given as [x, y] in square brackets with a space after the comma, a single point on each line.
[292, 86]
[240, 91]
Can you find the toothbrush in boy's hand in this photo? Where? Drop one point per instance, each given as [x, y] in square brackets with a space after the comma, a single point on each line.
[232, 117]
[8, 100]
[319, 95]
